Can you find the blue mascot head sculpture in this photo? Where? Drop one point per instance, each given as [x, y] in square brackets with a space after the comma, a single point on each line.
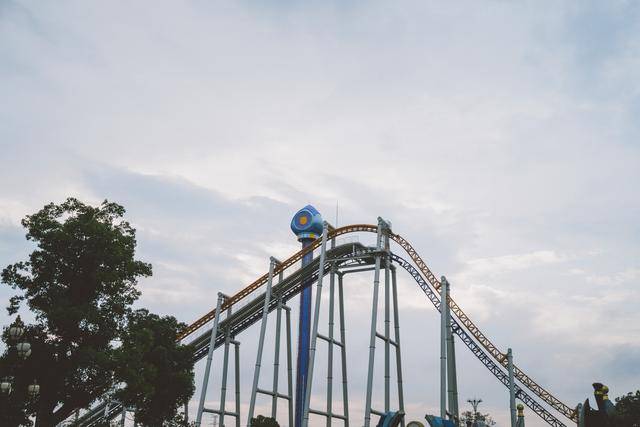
[307, 223]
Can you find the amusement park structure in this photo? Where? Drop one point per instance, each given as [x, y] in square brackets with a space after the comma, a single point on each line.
[269, 296]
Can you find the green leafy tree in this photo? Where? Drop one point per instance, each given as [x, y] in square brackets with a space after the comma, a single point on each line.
[79, 283]
[262, 421]
[470, 416]
[628, 410]
[158, 373]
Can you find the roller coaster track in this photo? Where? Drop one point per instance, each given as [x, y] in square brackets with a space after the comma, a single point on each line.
[502, 376]
[497, 355]
[425, 277]
[241, 319]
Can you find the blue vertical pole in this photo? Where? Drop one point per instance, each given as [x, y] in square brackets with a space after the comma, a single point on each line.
[304, 335]
[307, 225]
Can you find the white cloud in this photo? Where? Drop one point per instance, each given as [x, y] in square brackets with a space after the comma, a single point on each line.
[486, 269]
[501, 139]
[628, 275]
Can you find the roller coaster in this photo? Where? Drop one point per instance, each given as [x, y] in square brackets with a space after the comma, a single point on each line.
[286, 279]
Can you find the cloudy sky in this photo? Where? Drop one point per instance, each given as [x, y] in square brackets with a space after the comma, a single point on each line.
[500, 138]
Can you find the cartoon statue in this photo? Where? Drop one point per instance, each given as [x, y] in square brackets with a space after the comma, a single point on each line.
[604, 416]
[391, 419]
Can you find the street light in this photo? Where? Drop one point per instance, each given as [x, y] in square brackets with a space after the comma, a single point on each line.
[33, 389]
[23, 350]
[5, 385]
[475, 402]
[16, 330]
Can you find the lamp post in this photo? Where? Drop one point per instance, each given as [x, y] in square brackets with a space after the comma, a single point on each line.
[475, 402]
[5, 385]
[16, 330]
[33, 389]
[23, 351]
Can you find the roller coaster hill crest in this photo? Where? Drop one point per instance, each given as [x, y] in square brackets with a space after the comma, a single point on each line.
[271, 293]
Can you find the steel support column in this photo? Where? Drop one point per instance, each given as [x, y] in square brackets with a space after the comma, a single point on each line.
[387, 329]
[374, 321]
[343, 351]
[236, 355]
[443, 347]
[330, 343]
[263, 329]
[512, 390]
[289, 367]
[276, 360]
[225, 369]
[452, 377]
[396, 320]
[207, 371]
[316, 320]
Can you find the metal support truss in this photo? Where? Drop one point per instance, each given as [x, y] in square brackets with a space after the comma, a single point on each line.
[443, 350]
[430, 277]
[275, 395]
[228, 341]
[512, 390]
[222, 412]
[263, 329]
[329, 413]
[274, 392]
[382, 259]
[471, 336]
[452, 377]
[207, 371]
[476, 349]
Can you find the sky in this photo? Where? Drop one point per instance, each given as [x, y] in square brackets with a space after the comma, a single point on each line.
[500, 138]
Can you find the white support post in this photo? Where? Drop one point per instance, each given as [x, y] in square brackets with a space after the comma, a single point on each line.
[374, 322]
[387, 330]
[452, 378]
[343, 353]
[512, 388]
[332, 286]
[263, 329]
[207, 371]
[443, 348]
[225, 369]
[396, 319]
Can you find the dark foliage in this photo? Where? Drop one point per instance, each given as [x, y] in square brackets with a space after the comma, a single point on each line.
[79, 283]
[157, 371]
[628, 410]
[469, 416]
[262, 421]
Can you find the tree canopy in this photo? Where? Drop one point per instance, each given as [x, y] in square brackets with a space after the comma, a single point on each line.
[154, 374]
[79, 284]
[262, 421]
[628, 409]
[479, 417]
